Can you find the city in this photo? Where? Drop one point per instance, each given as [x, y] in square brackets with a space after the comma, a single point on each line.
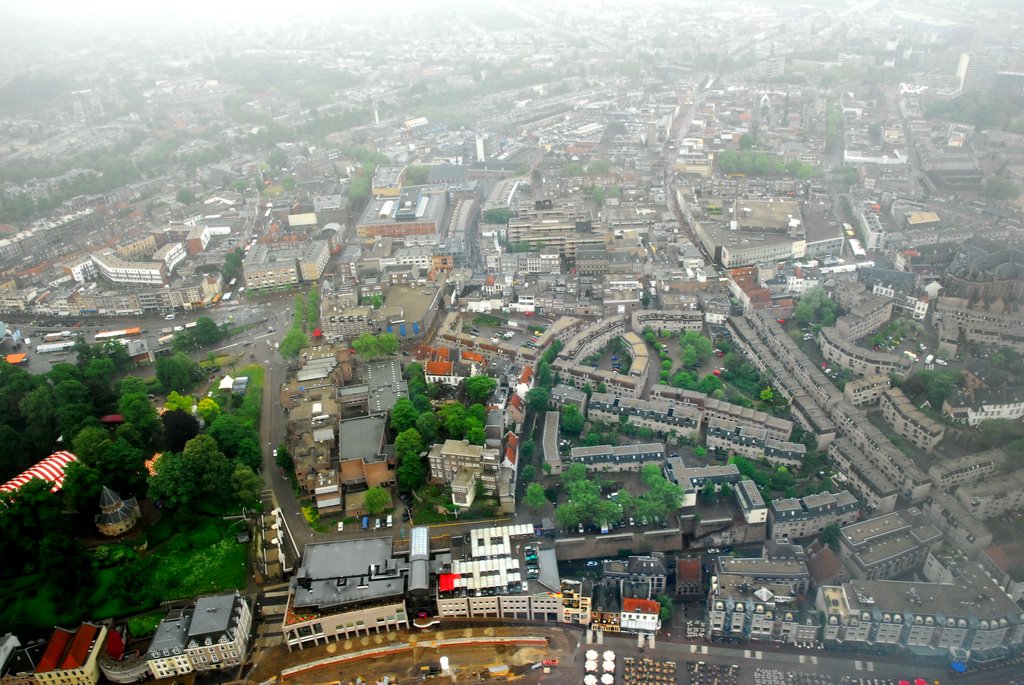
[642, 344]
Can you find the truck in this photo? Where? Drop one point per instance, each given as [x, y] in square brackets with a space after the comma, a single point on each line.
[54, 337]
[55, 347]
[166, 339]
[929, 359]
[910, 355]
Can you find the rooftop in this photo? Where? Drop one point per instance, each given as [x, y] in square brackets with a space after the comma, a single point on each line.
[361, 438]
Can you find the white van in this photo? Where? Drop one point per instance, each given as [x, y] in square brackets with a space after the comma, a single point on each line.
[169, 317]
[391, 521]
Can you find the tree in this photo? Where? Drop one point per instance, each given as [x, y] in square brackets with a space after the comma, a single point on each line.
[453, 415]
[246, 485]
[376, 500]
[81, 487]
[200, 470]
[498, 215]
[376, 346]
[538, 398]
[179, 402]
[417, 174]
[535, 499]
[175, 372]
[694, 349]
[38, 410]
[293, 342]
[89, 444]
[283, 460]
[816, 307]
[830, 536]
[206, 331]
[475, 433]
[598, 167]
[411, 471]
[139, 413]
[597, 195]
[233, 264]
[185, 197]
[767, 394]
[234, 437]
[700, 452]
[665, 612]
[277, 159]
[426, 424]
[575, 473]
[570, 421]
[480, 388]
[179, 427]
[528, 473]
[404, 415]
[708, 493]
[209, 410]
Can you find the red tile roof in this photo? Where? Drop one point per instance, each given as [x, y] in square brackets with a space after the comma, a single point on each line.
[438, 368]
[54, 650]
[441, 354]
[640, 606]
[473, 357]
[688, 570]
[79, 650]
[516, 401]
[526, 375]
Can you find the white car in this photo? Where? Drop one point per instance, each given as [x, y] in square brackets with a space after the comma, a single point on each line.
[341, 526]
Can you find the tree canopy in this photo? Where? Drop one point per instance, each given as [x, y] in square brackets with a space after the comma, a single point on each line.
[372, 346]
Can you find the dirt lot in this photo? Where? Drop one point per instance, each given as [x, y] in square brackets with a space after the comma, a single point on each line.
[469, 663]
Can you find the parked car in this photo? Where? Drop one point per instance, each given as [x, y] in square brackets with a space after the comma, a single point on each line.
[341, 526]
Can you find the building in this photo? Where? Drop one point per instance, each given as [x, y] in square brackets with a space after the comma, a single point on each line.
[1005, 563]
[952, 473]
[910, 422]
[993, 497]
[649, 569]
[843, 352]
[270, 266]
[739, 609]
[117, 270]
[462, 465]
[166, 654]
[618, 457]
[794, 518]
[487, 575]
[640, 616]
[866, 390]
[983, 404]
[660, 416]
[887, 546]
[218, 632]
[71, 656]
[689, 578]
[347, 588]
[117, 515]
[971, 618]
[865, 317]
[415, 214]
[749, 499]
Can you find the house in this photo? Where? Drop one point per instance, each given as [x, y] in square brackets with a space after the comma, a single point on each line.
[689, 578]
[640, 616]
[218, 633]
[71, 656]
[525, 382]
[117, 515]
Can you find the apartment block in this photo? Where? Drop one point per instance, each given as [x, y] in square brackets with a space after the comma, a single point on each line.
[864, 318]
[794, 518]
[843, 352]
[618, 457]
[889, 545]
[909, 421]
[460, 465]
[922, 618]
[866, 390]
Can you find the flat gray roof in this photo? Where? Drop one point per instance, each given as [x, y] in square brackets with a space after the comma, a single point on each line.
[213, 615]
[360, 438]
[338, 573]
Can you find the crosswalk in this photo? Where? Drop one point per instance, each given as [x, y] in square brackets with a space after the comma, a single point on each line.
[868, 666]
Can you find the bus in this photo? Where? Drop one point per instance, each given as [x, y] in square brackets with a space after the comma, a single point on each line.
[226, 297]
[103, 336]
[849, 231]
[231, 283]
[857, 249]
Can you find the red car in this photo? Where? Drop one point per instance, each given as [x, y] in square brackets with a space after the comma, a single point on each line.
[780, 320]
[550, 662]
[717, 372]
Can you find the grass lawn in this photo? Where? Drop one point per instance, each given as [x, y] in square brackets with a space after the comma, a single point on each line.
[142, 626]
